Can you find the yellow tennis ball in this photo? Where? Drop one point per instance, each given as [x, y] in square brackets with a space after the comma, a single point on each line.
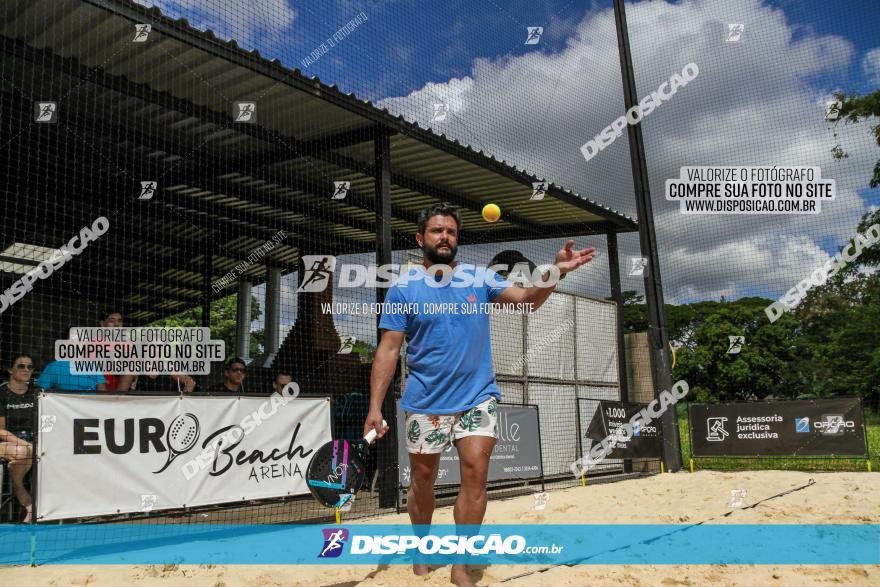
[491, 213]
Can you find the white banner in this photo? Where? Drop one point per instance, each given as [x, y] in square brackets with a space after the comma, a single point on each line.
[108, 454]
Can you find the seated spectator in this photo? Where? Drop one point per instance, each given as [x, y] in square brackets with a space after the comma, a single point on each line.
[151, 383]
[111, 319]
[233, 377]
[57, 375]
[282, 378]
[17, 401]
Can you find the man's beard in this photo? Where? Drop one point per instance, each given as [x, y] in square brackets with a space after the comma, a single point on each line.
[434, 255]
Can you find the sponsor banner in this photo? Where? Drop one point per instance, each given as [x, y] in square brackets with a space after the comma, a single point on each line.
[820, 427]
[611, 415]
[157, 453]
[372, 544]
[517, 453]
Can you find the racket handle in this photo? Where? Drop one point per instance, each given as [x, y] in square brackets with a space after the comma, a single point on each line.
[371, 435]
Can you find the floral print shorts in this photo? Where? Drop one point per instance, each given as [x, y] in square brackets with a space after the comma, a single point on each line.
[432, 434]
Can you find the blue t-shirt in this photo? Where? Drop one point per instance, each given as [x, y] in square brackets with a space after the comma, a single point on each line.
[448, 352]
[57, 375]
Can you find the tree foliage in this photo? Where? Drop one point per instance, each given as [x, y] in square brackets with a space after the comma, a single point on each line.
[828, 346]
[852, 109]
[222, 322]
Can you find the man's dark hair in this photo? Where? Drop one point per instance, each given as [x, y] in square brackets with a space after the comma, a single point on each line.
[281, 372]
[13, 359]
[233, 361]
[106, 312]
[442, 209]
[511, 258]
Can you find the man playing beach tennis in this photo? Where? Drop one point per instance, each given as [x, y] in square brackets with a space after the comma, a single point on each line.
[450, 394]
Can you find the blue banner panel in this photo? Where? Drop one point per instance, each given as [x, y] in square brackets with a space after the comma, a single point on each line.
[371, 544]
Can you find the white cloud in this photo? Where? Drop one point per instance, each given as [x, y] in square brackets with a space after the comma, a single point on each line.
[265, 20]
[752, 104]
[871, 65]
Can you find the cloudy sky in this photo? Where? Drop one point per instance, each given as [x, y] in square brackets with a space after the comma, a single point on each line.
[756, 101]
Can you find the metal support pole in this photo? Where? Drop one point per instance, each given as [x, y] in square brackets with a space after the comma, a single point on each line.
[617, 296]
[243, 320]
[273, 310]
[207, 271]
[387, 457]
[658, 338]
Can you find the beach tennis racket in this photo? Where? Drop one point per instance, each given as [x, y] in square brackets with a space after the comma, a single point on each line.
[337, 470]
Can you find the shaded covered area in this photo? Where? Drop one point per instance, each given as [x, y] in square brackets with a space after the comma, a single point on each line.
[151, 134]
[163, 111]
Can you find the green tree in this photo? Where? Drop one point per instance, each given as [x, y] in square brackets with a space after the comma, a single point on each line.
[761, 368]
[870, 256]
[852, 109]
[366, 351]
[838, 327]
[840, 338]
[222, 322]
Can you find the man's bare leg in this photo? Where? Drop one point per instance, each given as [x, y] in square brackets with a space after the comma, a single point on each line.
[470, 506]
[420, 497]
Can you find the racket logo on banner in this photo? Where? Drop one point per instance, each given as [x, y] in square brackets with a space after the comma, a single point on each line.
[182, 435]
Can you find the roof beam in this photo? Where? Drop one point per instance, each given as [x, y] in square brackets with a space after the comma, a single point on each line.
[274, 70]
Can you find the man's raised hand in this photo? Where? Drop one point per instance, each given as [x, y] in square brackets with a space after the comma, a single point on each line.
[568, 259]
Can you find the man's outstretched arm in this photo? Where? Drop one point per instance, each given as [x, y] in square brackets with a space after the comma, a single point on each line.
[567, 260]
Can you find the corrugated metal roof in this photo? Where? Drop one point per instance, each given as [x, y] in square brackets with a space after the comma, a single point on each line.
[165, 107]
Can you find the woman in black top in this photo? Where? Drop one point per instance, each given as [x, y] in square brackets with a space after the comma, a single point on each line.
[17, 401]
